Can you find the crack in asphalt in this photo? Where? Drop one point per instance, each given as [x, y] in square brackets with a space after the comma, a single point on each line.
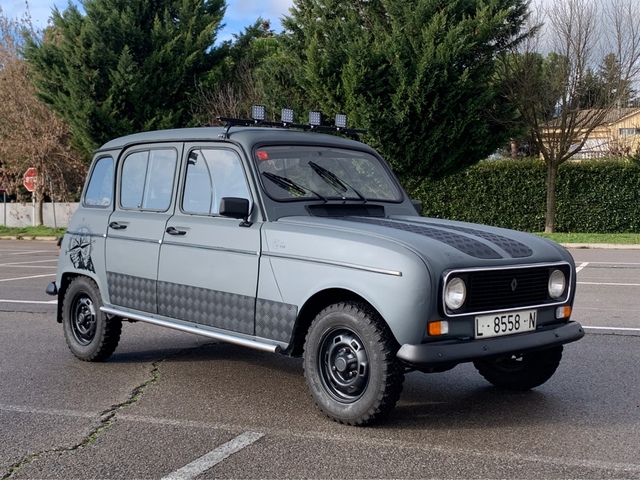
[105, 418]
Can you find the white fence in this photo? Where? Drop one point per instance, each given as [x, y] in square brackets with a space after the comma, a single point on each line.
[22, 214]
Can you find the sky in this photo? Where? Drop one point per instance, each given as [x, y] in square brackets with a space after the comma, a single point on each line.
[240, 13]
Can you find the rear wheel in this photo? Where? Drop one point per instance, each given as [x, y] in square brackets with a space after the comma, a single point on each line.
[350, 364]
[521, 372]
[90, 334]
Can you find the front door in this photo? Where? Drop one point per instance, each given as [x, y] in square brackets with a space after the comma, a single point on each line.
[208, 270]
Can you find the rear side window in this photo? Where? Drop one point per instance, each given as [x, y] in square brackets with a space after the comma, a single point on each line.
[212, 174]
[147, 179]
[100, 188]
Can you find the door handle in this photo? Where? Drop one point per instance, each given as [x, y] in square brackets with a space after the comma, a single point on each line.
[175, 231]
[117, 226]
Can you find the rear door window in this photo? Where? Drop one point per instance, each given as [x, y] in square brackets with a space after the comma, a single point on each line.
[147, 179]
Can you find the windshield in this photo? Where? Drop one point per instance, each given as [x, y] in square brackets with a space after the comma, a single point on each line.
[315, 172]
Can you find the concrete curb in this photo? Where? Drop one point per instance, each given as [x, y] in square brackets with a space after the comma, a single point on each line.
[28, 238]
[603, 246]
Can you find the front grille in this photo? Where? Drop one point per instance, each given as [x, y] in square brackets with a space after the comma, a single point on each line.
[509, 288]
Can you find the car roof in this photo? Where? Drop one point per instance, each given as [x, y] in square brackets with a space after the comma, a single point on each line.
[246, 136]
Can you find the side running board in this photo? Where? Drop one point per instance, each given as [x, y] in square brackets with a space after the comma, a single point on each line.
[265, 347]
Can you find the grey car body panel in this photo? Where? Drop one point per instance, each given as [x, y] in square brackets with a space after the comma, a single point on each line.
[307, 258]
[250, 280]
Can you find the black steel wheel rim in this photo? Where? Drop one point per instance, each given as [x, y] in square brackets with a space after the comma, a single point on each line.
[343, 365]
[83, 320]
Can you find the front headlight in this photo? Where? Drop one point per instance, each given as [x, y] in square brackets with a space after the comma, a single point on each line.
[557, 284]
[455, 293]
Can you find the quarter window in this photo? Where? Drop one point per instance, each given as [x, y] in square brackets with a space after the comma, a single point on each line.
[100, 189]
[147, 179]
[212, 174]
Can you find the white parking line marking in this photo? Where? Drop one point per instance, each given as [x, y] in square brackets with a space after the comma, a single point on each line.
[204, 463]
[581, 266]
[26, 252]
[613, 263]
[37, 302]
[46, 411]
[613, 329]
[30, 266]
[26, 278]
[27, 263]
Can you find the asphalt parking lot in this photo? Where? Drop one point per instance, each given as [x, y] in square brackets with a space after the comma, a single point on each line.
[173, 405]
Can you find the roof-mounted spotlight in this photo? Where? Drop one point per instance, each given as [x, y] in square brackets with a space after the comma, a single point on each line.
[315, 119]
[341, 120]
[258, 113]
[287, 115]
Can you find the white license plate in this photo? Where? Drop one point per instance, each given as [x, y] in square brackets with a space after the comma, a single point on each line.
[506, 323]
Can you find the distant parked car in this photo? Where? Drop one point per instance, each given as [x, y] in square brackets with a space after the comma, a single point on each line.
[305, 244]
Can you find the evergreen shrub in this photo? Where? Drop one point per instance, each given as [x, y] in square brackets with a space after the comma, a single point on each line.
[593, 196]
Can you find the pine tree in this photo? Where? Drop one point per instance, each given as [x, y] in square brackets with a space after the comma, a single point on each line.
[125, 65]
[418, 75]
[615, 83]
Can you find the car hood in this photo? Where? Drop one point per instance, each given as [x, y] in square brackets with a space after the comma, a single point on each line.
[450, 244]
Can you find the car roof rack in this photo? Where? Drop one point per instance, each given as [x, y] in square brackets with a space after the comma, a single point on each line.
[315, 119]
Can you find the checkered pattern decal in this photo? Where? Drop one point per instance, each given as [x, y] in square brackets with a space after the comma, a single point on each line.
[228, 311]
[132, 292]
[275, 320]
[512, 247]
[224, 310]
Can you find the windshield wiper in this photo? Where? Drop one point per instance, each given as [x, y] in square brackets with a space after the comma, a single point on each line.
[290, 186]
[335, 182]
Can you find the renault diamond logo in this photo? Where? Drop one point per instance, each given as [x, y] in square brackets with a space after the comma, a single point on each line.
[514, 285]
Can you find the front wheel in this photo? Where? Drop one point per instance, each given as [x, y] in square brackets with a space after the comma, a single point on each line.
[90, 334]
[350, 364]
[521, 372]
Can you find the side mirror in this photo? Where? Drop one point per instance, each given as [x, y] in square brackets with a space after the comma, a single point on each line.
[234, 207]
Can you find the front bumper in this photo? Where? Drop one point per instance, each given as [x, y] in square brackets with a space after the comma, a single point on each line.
[438, 354]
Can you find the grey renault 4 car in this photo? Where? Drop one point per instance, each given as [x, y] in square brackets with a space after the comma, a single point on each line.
[305, 244]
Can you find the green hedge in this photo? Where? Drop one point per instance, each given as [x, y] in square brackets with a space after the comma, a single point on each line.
[593, 196]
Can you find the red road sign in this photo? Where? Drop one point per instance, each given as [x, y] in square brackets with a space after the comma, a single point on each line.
[30, 179]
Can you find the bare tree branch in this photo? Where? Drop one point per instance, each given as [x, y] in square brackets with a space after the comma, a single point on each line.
[233, 99]
[31, 135]
[551, 93]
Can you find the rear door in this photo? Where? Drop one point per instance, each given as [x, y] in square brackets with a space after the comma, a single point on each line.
[208, 271]
[147, 179]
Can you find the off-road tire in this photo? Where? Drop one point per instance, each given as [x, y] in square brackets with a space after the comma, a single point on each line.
[521, 372]
[350, 364]
[90, 334]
